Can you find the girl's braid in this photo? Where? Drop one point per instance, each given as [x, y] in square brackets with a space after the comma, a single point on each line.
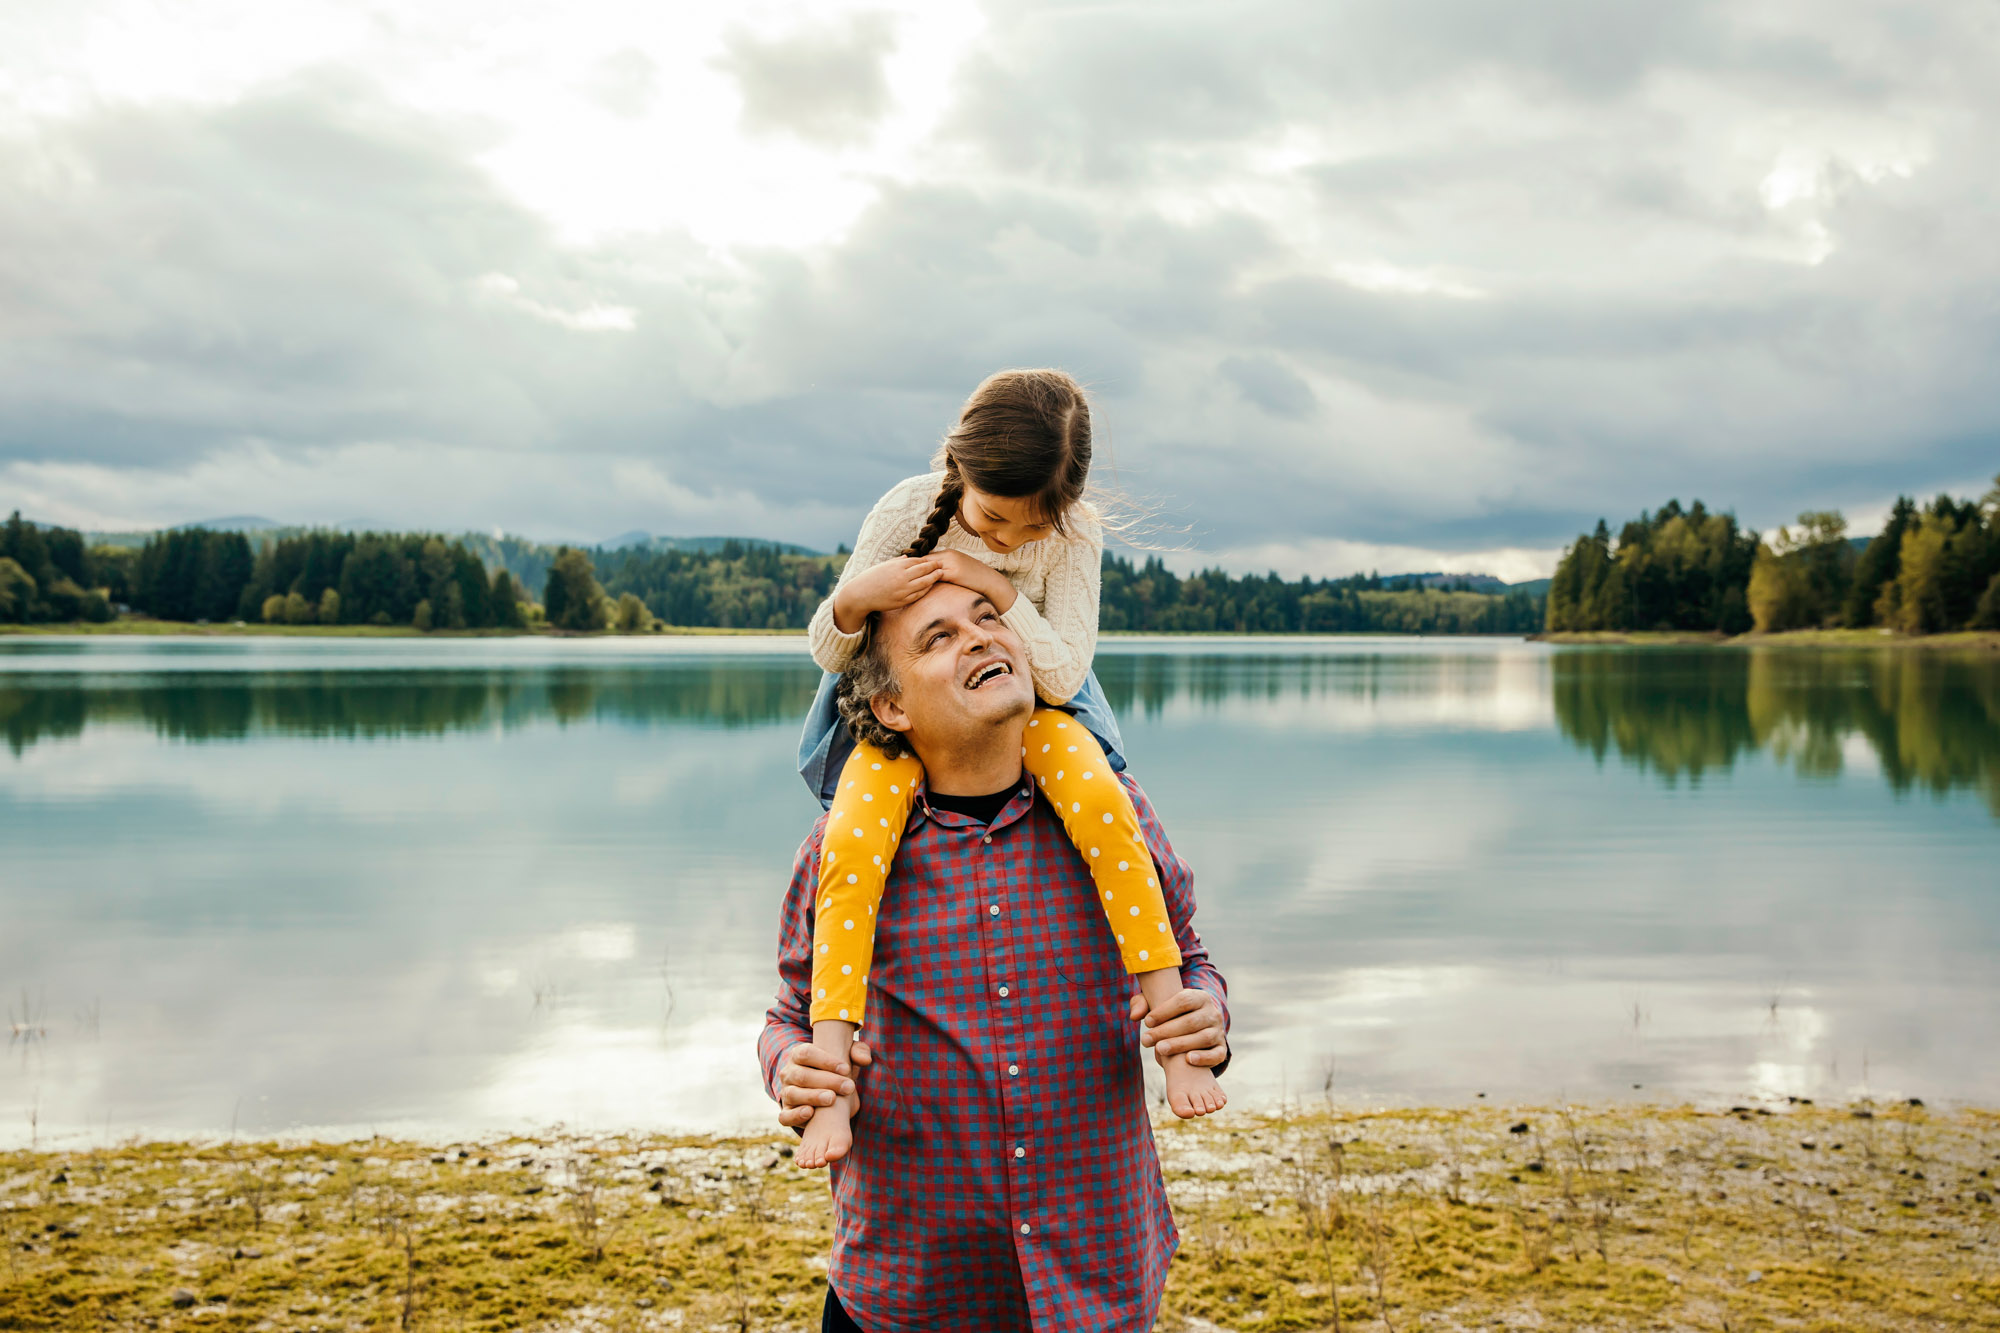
[942, 512]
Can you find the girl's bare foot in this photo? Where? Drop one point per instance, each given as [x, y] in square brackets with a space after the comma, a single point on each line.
[1191, 1091]
[829, 1136]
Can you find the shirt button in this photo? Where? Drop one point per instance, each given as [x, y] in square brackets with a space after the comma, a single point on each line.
[1003, 992]
[1020, 1152]
[994, 910]
[987, 838]
[1013, 1069]
[1024, 1228]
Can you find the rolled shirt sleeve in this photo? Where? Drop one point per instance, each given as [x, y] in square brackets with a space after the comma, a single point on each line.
[1198, 970]
[786, 1022]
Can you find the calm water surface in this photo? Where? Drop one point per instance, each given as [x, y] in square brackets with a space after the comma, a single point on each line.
[437, 887]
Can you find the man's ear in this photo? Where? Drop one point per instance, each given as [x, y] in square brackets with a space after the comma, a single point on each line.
[888, 710]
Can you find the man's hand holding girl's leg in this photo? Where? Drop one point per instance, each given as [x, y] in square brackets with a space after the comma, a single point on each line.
[811, 1077]
[1189, 1024]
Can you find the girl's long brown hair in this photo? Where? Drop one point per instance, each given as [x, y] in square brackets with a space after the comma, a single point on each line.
[1022, 434]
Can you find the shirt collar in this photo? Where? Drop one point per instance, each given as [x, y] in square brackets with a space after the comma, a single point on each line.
[1023, 801]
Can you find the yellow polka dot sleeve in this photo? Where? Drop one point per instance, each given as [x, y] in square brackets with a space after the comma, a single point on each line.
[870, 809]
[1069, 769]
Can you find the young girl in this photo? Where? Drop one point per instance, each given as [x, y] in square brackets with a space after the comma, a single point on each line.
[1003, 514]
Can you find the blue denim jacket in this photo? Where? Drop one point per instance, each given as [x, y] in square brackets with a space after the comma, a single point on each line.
[826, 742]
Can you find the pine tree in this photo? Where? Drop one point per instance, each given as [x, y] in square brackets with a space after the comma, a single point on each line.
[505, 600]
[573, 600]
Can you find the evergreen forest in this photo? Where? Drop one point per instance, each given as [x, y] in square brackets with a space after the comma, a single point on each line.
[431, 582]
[1933, 568]
[1152, 597]
[197, 576]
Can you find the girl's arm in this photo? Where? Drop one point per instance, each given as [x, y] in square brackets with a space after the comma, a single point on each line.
[889, 528]
[1061, 635]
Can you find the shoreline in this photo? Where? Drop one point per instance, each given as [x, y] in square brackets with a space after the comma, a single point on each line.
[1960, 640]
[1553, 1217]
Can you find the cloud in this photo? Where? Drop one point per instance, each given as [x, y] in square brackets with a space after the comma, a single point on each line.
[1346, 282]
[627, 82]
[1266, 382]
[597, 318]
[822, 83]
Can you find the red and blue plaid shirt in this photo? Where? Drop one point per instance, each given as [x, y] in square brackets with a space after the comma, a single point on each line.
[1003, 1174]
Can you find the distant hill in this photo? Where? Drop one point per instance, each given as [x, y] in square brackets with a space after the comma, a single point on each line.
[647, 541]
[248, 524]
[1475, 582]
[528, 560]
[523, 557]
[237, 523]
[1485, 583]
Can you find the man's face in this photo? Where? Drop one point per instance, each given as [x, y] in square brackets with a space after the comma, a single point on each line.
[963, 673]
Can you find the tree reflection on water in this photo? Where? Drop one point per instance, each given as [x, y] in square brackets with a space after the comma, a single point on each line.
[1930, 719]
[379, 705]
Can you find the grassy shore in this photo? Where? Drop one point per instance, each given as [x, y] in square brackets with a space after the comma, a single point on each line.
[1543, 1218]
[135, 625]
[1975, 640]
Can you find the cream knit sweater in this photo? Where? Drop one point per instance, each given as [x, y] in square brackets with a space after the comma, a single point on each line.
[1057, 578]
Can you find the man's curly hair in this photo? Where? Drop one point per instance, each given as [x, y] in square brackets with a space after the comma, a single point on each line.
[868, 677]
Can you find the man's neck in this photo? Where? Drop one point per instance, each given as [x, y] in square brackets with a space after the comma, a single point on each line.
[974, 770]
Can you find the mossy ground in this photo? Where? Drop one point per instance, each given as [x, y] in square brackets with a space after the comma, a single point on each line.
[1588, 1218]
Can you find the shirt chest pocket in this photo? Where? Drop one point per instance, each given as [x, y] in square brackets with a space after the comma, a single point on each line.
[1086, 954]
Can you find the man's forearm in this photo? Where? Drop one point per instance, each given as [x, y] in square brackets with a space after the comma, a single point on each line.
[786, 1023]
[1204, 977]
[783, 1030]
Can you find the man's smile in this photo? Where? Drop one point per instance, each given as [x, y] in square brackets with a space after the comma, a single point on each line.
[990, 671]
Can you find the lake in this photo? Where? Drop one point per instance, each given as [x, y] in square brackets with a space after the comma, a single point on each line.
[438, 887]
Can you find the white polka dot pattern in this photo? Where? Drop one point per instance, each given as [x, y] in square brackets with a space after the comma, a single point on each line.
[840, 963]
[848, 896]
[1084, 810]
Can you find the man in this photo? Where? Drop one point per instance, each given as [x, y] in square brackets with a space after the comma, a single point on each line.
[1003, 1176]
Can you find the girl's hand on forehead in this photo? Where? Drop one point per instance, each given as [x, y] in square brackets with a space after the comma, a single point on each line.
[962, 569]
[908, 577]
[885, 587]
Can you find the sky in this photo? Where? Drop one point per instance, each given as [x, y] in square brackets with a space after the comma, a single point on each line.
[1396, 284]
